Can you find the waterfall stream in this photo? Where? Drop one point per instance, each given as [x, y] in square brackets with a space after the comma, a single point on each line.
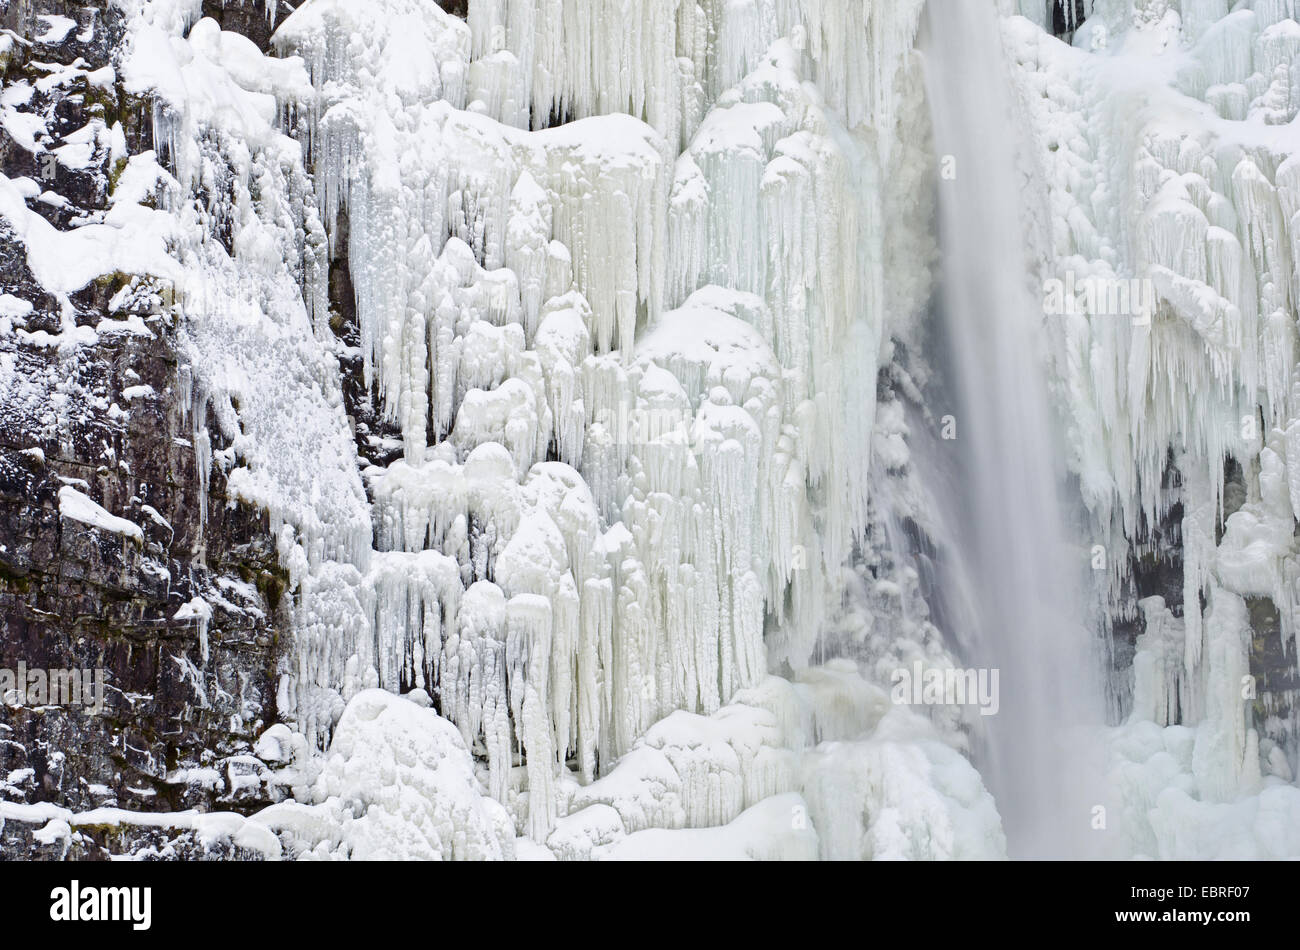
[1012, 540]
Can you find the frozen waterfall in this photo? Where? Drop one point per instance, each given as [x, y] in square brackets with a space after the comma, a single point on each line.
[611, 403]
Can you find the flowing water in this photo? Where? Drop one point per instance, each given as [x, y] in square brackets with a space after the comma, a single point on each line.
[1007, 453]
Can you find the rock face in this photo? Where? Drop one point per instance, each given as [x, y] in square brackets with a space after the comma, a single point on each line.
[255, 19]
[184, 614]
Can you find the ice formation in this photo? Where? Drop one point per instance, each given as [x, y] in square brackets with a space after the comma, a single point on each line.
[590, 337]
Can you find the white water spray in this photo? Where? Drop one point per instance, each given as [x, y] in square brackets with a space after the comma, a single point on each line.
[1029, 625]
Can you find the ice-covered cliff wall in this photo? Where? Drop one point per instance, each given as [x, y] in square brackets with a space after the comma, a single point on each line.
[550, 342]
[1164, 149]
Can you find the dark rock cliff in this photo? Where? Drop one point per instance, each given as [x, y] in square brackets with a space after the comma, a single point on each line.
[109, 420]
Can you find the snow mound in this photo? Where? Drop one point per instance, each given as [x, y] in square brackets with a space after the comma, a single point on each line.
[398, 784]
